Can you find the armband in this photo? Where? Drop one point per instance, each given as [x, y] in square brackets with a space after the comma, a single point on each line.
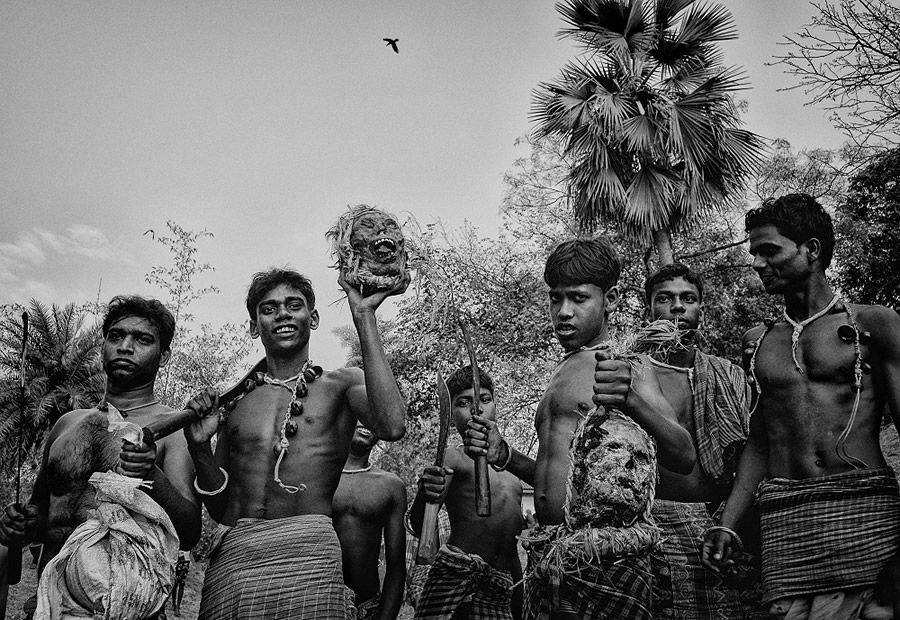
[217, 491]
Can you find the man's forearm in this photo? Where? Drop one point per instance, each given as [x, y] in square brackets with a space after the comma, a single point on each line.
[750, 472]
[209, 478]
[392, 590]
[520, 465]
[387, 406]
[185, 515]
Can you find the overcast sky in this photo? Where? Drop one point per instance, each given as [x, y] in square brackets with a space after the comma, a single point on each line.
[260, 121]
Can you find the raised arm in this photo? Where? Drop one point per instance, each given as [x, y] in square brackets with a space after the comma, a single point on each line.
[394, 556]
[377, 402]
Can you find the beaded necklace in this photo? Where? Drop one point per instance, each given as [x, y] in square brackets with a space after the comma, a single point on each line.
[300, 389]
[361, 470]
[839, 447]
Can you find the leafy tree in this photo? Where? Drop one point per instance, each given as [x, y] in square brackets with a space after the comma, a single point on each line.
[210, 357]
[848, 61]
[63, 372]
[867, 263]
[648, 117]
[817, 172]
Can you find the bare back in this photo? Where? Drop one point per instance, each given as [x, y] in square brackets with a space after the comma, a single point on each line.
[363, 505]
[494, 537]
[314, 458]
[565, 401]
[816, 404]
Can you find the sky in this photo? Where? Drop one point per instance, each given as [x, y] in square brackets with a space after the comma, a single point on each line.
[259, 121]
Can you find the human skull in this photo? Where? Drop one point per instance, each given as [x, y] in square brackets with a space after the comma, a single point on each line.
[369, 248]
[613, 475]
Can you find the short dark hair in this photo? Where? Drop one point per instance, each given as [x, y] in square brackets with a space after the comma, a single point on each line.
[799, 218]
[461, 379]
[583, 261]
[265, 281]
[122, 306]
[671, 272]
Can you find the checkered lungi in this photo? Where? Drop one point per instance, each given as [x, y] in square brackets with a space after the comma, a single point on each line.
[683, 587]
[613, 583]
[458, 578]
[276, 569]
[827, 534]
[368, 609]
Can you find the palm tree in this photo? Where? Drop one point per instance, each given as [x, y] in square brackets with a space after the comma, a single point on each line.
[648, 115]
[63, 372]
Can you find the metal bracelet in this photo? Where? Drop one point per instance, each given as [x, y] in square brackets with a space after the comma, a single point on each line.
[217, 491]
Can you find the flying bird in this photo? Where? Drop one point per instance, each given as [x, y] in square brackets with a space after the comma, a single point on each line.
[152, 234]
[392, 43]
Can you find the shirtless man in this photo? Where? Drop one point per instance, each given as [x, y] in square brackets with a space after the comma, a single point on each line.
[370, 502]
[279, 456]
[824, 372]
[474, 572]
[582, 275]
[137, 333]
[711, 400]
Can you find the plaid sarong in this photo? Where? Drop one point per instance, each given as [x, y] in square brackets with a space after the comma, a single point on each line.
[682, 586]
[827, 534]
[275, 569]
[596, 573]
[368, 609]
[721, 415]
[456, 578]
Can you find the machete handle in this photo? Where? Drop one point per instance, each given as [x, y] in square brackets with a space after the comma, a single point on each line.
[482, 487]
[14, 564]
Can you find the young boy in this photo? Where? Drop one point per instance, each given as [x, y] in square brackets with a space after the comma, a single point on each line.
[473, 574]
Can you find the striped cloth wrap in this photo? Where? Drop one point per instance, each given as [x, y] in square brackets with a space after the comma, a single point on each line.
[458, 578]
[827, 534]
[276, 568]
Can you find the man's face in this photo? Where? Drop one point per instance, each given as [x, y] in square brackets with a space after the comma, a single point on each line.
[578, 313]
[363, 440]
[378, 240]
[462, 407]
[780, 263]
[131, 352]
[283, 320]
[676, 300]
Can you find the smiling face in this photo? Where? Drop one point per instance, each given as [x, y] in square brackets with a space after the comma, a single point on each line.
[676, 300]
[782, 264]
[461, 405]
[363, 440]
[579, 312]
[283, 320]
[131, 352]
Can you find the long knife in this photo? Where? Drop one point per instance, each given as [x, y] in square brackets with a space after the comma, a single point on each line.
[429, 543]
[14, 558]
[173, 422]
[482, 481]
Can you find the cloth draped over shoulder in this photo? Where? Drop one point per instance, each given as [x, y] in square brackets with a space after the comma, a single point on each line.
[457, 577]
[117, 565]
[827, 534]
[269, 569]
[722, 398]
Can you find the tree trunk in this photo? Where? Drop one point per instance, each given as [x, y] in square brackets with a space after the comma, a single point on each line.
[662, 239]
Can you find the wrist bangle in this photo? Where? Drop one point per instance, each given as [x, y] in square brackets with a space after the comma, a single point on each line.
[217, 491]
[737, 539]
[508, 458]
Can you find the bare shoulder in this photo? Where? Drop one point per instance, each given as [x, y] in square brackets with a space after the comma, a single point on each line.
[346, 377]
[753, 334]
[391, 481]
[68, 420]
[876, 317]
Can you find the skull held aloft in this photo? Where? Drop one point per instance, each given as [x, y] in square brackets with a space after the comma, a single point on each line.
[369, 248]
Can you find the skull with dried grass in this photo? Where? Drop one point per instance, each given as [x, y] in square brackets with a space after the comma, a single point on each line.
[368, 247]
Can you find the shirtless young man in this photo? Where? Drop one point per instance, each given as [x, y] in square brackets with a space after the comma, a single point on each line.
[474, 572]
[370, 502]
[824, 372]
[710, 397]
[279, 456]
[582, 275]
[137, 333]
